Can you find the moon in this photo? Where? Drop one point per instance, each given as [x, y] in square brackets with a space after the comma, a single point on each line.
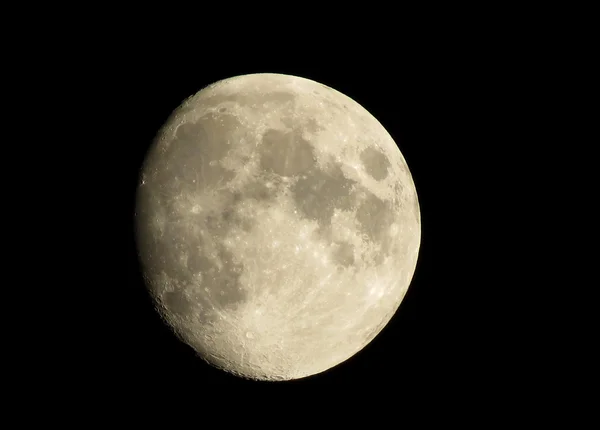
[277, 225]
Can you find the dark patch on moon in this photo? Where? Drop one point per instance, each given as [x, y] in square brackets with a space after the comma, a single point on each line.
[224, 283]
[413, 201]
[166, 252]
[318, 193]
[343, 254]
[376, 163]
[257, 191]
[191, 160]
[219, 286]
[252, 97]
[285, 153]
[199, 263]
[182, 257]
[375, 218]
[177, 302]
[223, 217]
[215, 224]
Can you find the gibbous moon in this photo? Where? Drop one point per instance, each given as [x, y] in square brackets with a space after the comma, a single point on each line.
[277, 224]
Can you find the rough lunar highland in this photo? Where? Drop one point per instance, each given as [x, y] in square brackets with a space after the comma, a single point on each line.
[278, 226]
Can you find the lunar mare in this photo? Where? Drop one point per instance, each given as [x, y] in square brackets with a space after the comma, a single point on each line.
[277, 224]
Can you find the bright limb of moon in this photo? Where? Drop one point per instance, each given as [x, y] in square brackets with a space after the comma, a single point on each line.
[278, 226]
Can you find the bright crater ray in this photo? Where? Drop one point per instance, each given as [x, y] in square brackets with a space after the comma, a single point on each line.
[278, 226]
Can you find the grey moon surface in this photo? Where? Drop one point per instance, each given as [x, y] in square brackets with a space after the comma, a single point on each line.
[277, 225]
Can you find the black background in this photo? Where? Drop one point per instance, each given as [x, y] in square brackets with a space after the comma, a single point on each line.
[460, 91]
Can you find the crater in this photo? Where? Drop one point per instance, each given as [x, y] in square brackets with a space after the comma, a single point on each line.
[286, 153]
[376, 163]
[318, 193]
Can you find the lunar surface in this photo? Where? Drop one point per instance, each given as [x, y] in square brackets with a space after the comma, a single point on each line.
[277, 224]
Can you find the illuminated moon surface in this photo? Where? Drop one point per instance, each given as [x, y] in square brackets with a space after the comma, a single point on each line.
[277, 224]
